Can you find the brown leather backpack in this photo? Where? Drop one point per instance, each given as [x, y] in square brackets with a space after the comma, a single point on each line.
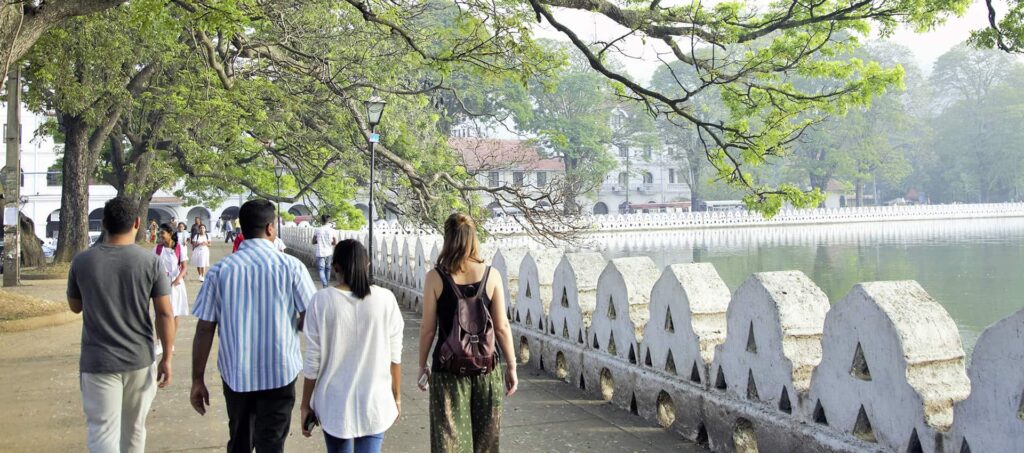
[469, 349]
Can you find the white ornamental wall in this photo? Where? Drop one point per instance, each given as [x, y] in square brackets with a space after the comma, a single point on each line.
[908, 375]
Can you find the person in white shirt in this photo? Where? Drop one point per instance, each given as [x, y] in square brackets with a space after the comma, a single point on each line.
[352, 361]
[324, 239]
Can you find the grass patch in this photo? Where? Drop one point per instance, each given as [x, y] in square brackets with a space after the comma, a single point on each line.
[17, 306]
[46, 272]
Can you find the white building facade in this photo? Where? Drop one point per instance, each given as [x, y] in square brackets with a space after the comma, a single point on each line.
[41, 187]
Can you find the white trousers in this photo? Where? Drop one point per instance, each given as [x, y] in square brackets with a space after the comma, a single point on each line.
[116, 405]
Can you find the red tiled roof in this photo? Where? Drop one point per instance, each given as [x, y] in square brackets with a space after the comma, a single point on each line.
[483, 154]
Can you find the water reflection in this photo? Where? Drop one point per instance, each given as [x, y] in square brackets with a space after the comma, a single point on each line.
[972, 267]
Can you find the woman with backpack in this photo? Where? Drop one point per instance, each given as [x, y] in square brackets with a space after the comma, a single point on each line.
[464, 308]
[352, 361]
[174, 262]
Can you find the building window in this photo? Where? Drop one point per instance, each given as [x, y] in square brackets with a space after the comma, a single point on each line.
[21, 174]
[517, 178]
[623, 151]
[671, 176]
[53, 178]
[492, 179]
[542, 179]
[648, 178]
[623, 179]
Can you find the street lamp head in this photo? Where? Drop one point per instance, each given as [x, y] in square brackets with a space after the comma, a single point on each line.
[280, 170]
[374, 108]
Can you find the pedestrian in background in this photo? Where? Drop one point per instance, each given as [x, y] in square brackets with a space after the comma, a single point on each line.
[174, 263]
[324, 238]
[201, 251]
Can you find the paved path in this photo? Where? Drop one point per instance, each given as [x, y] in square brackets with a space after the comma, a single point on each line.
[41, 404]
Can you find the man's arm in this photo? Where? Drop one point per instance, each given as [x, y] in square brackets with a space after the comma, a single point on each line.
[201, 345]
[75, 305]
[165, 331]
[74, 293]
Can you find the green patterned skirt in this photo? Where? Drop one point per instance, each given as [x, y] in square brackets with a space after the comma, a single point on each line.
[465, 412]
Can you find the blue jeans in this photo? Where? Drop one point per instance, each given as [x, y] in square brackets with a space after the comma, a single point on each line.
[368, 444]
[323, 269]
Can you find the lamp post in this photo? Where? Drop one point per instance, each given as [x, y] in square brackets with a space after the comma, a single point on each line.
[374, 110]
[279, 172]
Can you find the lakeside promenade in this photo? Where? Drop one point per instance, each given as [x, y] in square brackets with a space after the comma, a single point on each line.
[42, 410]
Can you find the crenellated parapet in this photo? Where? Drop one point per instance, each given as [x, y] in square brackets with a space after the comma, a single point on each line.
[770, 367]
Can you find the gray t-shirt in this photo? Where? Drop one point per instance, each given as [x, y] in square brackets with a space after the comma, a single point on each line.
[115, 284]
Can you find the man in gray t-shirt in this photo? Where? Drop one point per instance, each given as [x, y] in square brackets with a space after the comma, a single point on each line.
[112, 284]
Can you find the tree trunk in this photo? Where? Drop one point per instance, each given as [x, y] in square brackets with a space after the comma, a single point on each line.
[73, 236]
[31, 246]
[859, 187]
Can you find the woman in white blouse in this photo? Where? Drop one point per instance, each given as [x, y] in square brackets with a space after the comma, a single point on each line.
[353, 356]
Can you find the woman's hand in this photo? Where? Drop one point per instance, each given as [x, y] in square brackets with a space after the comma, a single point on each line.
[398, 404]
[511, 381]
[304, 412]
[424, 380]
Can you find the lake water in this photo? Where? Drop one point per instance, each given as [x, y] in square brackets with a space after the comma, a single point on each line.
[972, 267]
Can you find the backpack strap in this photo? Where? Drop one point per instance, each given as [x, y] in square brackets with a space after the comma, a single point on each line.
[483, 283]
[448, 278]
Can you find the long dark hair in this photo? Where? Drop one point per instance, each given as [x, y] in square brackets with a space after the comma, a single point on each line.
[460, 244]
[169, 229]
[352, 264]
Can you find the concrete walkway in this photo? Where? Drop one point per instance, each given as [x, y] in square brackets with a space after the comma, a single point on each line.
[42, 410]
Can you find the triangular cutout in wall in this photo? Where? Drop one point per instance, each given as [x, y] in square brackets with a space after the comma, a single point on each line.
[751, 342]
[695, 373]
[915, 443]
[612, 348]
[752, 387]
[720, 383]
[862, 427]
[670, 325]
[565, 329]
[784, 403]
[565, 298]
[819, 414]
[965, 447]
[859, 368]
[611, 308]
[670, 363]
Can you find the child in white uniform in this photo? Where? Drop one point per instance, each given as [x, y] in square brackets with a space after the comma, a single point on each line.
[173, 261]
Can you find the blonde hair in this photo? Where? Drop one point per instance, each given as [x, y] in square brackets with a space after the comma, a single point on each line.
[460, 244]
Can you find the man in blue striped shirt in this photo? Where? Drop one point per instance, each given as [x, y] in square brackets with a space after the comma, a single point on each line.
[257, 297]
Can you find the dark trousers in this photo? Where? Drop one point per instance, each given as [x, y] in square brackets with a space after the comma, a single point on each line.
[260, 419]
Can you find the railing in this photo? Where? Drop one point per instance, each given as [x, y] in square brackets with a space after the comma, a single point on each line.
[774, 365]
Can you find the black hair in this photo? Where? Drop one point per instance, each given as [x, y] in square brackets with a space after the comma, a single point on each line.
[181, 225]
[170, 229]
[254, 216]
[119, 215]
[325, 218]
[352, 264]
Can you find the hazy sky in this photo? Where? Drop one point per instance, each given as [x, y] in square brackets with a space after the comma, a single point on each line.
[927, 47]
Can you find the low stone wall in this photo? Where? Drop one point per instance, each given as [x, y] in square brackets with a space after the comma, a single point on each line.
[773, 367]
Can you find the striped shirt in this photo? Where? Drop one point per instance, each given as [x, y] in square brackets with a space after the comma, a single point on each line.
[255, 296]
